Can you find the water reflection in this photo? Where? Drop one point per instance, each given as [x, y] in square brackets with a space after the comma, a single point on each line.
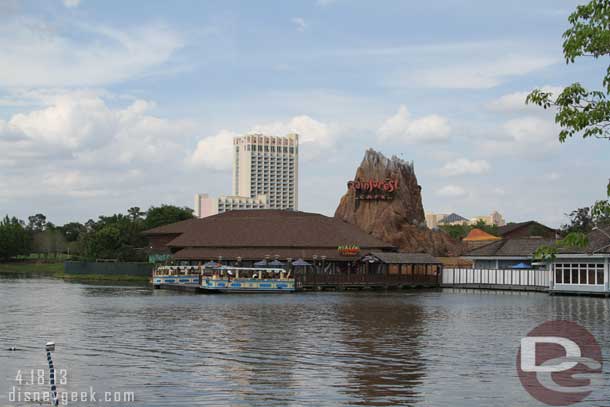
[383, 361]
[402, 348]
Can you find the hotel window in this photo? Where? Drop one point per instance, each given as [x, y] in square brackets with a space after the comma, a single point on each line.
[579, 273]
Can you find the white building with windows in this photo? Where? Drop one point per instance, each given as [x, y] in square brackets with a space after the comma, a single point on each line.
[267, 165]
[583, 270]
[265, 176]
[494, 218]
[206, 205]
[510, 262]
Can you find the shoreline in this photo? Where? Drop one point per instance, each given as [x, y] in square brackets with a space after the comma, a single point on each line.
[56, 270]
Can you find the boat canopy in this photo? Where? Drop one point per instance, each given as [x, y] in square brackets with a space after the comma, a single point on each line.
[212, 265]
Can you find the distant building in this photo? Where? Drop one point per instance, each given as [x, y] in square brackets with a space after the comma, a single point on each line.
[434, 220]
[206, 205]
[453, 219]
[265, 176]
[493, 219]
[267, 165]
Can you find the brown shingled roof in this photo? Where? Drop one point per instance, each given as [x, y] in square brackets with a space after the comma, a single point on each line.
[510, 247]
[268, 228]
[512, 226]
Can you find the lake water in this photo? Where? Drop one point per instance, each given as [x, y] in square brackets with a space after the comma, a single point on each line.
[422, 348]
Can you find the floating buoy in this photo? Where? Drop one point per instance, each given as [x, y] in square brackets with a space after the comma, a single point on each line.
[12, 349]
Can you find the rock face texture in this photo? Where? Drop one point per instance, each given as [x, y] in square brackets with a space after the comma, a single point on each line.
[385, 200]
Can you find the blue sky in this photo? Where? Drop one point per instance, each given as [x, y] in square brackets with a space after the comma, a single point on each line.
[106, 105]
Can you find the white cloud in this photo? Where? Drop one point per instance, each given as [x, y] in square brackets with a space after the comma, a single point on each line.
[300, 23]
[315, 137]
[78, 145]
[463, 166]
[324, 3]
[515, 102]
[81, 126]
[452, 191]
[215, 152]
[528, 135]
[404, 128]
[100, 55]
[72, 122]
[71, 3]
[475, 74]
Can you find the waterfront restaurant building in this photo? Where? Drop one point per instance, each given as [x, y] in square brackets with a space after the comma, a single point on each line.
[583, 270]
[332, 246]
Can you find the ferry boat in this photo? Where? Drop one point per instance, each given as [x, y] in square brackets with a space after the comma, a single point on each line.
[228, 279]
[177, 275]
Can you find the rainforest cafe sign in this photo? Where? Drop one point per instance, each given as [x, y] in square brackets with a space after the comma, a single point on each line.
[374, 189]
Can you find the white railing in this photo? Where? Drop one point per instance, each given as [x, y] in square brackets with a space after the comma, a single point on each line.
[499, 277]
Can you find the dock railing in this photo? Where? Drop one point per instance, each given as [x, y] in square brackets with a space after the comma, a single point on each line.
[535, 279]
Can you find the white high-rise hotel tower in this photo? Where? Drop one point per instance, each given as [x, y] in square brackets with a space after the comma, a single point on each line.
[265, 176]
[267, 165]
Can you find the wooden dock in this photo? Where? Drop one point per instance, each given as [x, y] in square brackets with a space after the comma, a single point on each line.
[363, 281]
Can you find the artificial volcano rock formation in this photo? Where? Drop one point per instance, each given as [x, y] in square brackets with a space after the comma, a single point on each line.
[385, 200]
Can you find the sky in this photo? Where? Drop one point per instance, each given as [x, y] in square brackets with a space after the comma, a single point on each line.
[105, 105]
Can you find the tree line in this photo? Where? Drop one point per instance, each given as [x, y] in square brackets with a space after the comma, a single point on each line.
[116, 237]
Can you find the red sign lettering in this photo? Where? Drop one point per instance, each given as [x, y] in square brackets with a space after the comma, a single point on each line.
[373, 189]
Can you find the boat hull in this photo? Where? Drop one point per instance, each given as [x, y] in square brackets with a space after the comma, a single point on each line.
[188, 279]
[245, 291]
[250, 286]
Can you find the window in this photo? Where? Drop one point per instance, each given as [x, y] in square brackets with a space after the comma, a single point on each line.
[559, 274]
[574, 279]
[579, 273]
